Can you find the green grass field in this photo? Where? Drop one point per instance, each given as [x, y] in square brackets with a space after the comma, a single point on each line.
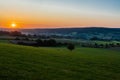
[30, 63]
[4, 41]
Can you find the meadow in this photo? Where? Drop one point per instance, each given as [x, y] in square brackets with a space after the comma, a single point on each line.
[47, 63]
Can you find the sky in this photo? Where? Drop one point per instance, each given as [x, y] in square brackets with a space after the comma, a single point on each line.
[60, 13]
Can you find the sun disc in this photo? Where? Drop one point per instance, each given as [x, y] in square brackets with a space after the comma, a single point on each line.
[13, 25]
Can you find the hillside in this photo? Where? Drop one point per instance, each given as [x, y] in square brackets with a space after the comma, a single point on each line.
[70, 30]
[100, 33]
[78, 33]
[29, 63]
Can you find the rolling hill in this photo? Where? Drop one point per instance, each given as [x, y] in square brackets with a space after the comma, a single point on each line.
[30, 63]
[70, 30]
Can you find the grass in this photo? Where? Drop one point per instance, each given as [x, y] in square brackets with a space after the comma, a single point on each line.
[30, 63]
[4, 41]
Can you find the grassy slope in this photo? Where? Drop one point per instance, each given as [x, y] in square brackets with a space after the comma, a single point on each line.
[28, 63]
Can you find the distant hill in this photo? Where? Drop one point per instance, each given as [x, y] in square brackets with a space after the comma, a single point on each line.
[70, 30]
[99, 33]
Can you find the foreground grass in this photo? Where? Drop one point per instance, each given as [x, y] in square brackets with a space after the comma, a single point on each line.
[29, 63]
[4, 41]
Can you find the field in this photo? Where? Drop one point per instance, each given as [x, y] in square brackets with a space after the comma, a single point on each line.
[31, 63]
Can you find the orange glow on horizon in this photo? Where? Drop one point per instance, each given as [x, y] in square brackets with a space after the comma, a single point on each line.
[58, 22]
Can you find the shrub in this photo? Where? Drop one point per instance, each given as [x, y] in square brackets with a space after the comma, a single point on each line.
[17, 38]
[71, 47]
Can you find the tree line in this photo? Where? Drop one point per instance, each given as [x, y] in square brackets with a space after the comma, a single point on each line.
[97, 45]
[12, 33]
[44, 43]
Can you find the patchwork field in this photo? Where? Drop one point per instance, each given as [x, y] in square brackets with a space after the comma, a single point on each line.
[32, 63]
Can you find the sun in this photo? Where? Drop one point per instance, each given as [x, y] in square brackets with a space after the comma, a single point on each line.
[13, 25]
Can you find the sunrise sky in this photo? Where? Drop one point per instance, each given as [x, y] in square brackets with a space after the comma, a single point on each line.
[59, 13]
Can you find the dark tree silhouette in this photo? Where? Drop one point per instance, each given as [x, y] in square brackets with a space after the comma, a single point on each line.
[52, 42]
[71, 47]
[107, 46]
[15, 33]
[94, 38]
[118, 44]
[26, 39]
[17, 38]
[39, 42]
[96, 45]
[48, 43]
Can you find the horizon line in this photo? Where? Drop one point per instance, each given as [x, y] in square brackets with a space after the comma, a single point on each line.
[59, 27]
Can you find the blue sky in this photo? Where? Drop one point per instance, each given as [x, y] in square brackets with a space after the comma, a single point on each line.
[107, 6]
[113, 5]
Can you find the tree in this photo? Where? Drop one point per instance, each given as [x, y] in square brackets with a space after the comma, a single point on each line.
[94, 38]
[26, 38]
[39, 42]
[71, 47]
[101, 46]
[96, 45]
[17, 38]
[107, 46]
[15, 33]
[118, 44]
[52, 42]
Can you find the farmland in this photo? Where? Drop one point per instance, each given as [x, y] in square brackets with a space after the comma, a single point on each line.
[47, 63]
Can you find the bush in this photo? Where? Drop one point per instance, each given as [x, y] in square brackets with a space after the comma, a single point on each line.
[71, 47]
[15, 33]
[17, 38]
[48, 43]
[39, 42]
